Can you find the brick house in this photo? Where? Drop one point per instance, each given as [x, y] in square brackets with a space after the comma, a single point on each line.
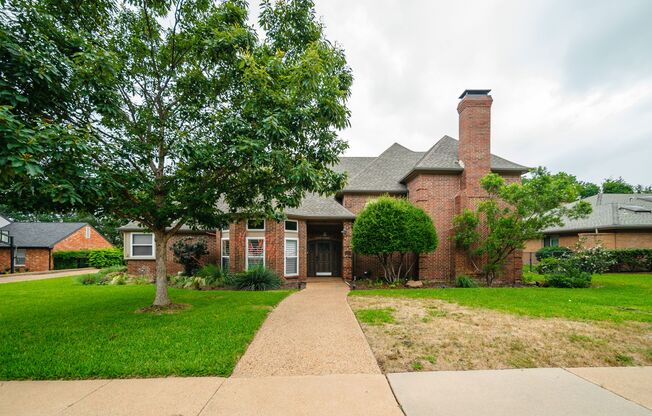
[617, 221]
[315, 240]
[35, 242]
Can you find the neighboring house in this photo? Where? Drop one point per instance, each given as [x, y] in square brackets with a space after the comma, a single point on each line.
[316, 238]
[617, 221]
[35, 241]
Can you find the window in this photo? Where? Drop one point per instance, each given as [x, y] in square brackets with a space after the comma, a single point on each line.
[291, 257]
[255, 252]
[225, 254]
[256, 225]
[142, 245]
[551, 241]
[291, 225]
[226, 227]
[19, 257]
[88, 231]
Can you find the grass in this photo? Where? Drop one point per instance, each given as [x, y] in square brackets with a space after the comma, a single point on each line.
[613, 297]
[56, 329]
[375, 316]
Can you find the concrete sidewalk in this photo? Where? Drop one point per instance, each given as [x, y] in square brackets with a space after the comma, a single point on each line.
[25, 277]
[534, 392]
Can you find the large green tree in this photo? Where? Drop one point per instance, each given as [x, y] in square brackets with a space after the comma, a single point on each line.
[164, 112]
[616, 186]
[514, 213]
[395, 232]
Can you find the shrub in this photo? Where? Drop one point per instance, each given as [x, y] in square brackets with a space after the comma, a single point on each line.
[105, 257]
[258, 278]
[77, 259]
[70, 259]
[212, 274]
[569, 279]
[592, 260]
[392, 230]
[188, 251]
[631, 260]
[555, 251]
[91, 279]
[465, 281]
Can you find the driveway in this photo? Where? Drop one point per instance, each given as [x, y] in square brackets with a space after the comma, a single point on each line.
[24, 277]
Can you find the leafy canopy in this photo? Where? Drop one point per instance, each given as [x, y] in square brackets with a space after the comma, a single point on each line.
[514, 213]
[168, 113]
[389, 228]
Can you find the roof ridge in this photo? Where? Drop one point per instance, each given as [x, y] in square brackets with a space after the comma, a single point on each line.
[376, 160]
[432, 148]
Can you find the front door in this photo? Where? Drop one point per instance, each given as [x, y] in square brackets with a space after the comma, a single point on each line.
[323, 259]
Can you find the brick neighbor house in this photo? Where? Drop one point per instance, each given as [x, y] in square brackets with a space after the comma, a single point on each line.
[617, 221]
[34, 242]
[315, 240]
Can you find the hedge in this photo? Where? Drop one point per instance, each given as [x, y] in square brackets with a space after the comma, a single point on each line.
[552, 251]
[99, 258]
[632, 260]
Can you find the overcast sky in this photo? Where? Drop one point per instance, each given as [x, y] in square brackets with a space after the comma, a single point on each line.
[571, 80]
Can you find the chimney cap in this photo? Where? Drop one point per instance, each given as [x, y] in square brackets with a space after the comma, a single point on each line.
[474, 92]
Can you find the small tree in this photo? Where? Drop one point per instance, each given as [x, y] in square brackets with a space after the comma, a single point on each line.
[188, 252]
[513, 214]
[391, 229]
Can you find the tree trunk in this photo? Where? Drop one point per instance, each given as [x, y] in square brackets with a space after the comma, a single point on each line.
[162, 298]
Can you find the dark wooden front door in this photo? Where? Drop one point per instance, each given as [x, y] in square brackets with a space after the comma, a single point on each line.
[323, 257]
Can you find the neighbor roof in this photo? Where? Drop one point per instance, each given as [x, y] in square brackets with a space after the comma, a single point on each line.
[611, 212]
[40, 234]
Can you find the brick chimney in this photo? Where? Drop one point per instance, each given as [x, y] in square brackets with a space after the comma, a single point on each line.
[475, 138]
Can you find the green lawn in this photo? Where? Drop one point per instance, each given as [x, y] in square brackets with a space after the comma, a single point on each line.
[57, 329]
[614, 297]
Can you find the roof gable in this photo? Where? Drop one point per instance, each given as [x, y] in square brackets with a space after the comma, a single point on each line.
[385, 172]
[41, 234]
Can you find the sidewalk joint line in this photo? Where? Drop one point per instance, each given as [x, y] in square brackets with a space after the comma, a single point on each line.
[400, 406]
[604, 388]
[83, 397]
[212, 395]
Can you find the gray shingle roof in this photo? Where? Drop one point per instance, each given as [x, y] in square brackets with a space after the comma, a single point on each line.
[315, 206]
[610, 211]
[385, 172]
[41, 234]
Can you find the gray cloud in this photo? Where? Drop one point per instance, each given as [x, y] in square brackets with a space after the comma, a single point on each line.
[571, 80]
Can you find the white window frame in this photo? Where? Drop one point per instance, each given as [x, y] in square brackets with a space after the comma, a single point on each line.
[24, 263]
[247, 251]
[285, 256]
[255, 229]
[291, 231]
[222, 256]
[226, 227]
[88, 231]
[131, 247]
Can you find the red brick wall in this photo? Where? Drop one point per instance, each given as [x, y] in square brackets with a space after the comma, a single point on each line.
[36, 260]
[275, 246]
[78, 241]
[435, 193]
[356, 202]
[148, 267]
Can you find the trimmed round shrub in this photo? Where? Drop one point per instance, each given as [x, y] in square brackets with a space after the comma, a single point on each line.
[258, 278]
[556, 252]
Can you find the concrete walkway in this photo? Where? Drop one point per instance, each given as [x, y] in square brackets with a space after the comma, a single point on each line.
[533, 392]
[24, 277]
[313, 332]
